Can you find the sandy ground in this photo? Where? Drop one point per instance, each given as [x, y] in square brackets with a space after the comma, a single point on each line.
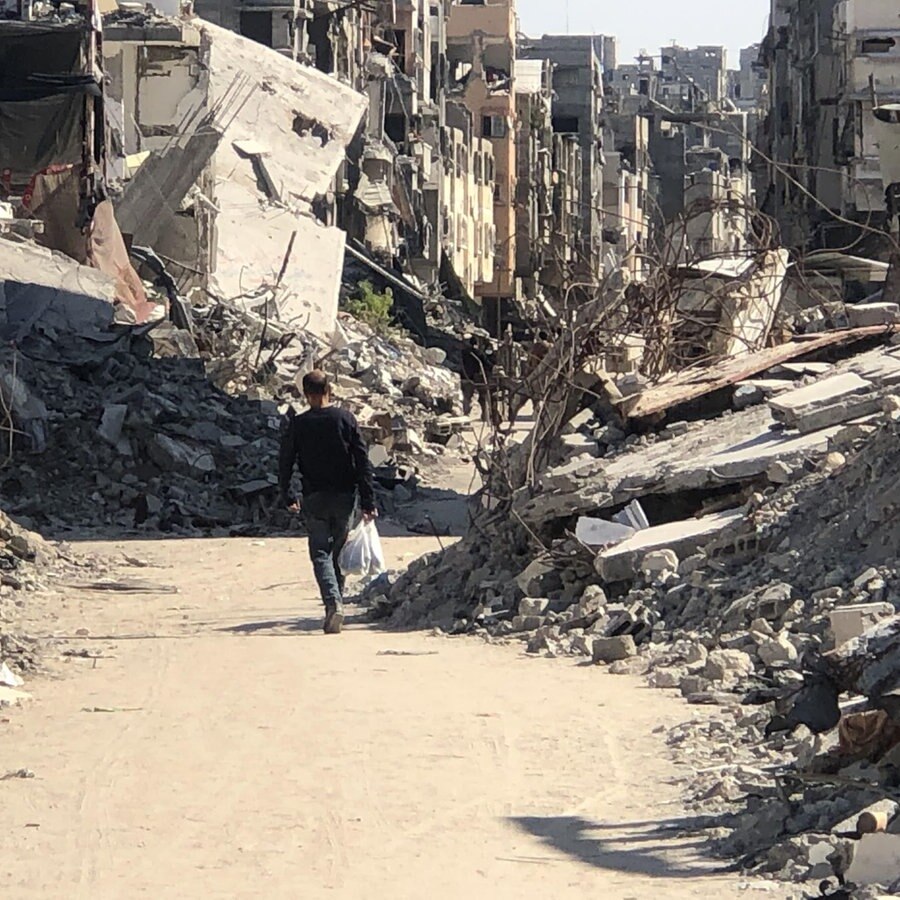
[222, 747]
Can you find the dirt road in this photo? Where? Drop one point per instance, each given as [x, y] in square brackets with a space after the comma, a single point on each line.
[221, 748]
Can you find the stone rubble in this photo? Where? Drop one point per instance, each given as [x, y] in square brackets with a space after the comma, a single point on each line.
[732, 621]
[187, 439]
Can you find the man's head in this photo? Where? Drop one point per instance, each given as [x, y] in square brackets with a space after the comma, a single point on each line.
[316, 388]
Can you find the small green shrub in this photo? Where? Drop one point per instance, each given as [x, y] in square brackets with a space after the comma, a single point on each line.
[371, 307]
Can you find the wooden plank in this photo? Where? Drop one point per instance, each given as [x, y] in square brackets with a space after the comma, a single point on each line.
[693, 383]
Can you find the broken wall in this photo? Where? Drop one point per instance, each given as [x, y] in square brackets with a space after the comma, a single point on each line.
[291, 124]
[158, 90]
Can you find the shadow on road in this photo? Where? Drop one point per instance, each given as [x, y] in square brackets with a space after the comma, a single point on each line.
[673, 848]
[271, 627]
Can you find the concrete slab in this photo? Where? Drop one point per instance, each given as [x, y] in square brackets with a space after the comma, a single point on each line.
[876, 860]
[862, 315]
[824, 392]
[804, 368]
[304, 119]
[848, 622]
[769, 386]
[729, 449]
[620, 563]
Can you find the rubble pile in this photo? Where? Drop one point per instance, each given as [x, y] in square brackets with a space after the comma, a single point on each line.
[143, 442]
[188, 438]
[722, 558]
[28, 564]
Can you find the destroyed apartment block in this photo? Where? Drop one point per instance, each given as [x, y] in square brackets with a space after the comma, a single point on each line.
[51, 84]
[264, 137]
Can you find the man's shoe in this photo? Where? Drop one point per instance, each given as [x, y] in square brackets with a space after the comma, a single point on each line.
[334, 621]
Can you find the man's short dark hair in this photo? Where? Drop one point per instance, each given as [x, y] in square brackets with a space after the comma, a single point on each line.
[315, 383]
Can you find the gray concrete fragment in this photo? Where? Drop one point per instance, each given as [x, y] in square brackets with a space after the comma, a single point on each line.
[613, 649]
[777, 651]
[867, 315]
[728, 665]
[531, 606]
[180, 456]
[112, 422]
[622, 562]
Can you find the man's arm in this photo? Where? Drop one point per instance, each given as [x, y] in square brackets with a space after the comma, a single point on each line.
[287, 458]
[363, 466]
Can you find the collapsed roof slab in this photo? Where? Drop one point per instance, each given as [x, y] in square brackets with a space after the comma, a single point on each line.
[729, 450]
[621, 562]
[300, 121]
[253, 243]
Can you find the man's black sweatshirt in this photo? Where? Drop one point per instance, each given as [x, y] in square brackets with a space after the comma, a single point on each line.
[327, 448]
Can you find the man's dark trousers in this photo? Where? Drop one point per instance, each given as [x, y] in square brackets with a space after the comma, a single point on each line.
[329, 518]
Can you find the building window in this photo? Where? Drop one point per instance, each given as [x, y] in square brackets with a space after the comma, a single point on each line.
[877, 45]
[498, 194]
[565, 125]
[257, 25]
[494, 126]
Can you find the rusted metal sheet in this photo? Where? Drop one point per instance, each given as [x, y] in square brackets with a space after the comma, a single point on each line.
[693, 383]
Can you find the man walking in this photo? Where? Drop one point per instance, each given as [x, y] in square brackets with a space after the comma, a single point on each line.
[326, 446]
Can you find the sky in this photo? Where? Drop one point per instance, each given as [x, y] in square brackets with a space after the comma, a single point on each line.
[649, 24]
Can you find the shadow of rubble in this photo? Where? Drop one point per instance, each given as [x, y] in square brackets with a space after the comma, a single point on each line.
[663, 848]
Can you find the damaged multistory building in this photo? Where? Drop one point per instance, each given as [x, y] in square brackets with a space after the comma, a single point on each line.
[54, 155]
[577, 106]
[417, 193]
[548, 187]
[481, 54]
[830, 63]
[697, 149]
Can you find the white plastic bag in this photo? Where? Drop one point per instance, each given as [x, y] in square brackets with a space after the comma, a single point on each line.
[362, 554]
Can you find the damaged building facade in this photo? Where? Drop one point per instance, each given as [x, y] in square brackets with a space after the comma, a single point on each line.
[830, 65]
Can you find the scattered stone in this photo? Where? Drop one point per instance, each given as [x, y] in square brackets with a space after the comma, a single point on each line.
[728, 665]
[531, 606]
[613, 649]
[777, 651]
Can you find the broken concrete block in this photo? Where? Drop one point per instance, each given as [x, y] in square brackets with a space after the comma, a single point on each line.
[777, 651]
[692, 652]
[825, 403]
[529, 580]
[112, 422]
[868, 315]
[728, 665]
[600, 533]
[622, 562]
[180, 456]
[593, 600]
[780, 472]
[848, 622]
[613, 649]
[667, 677]
[827, 416]
[876, 860]
[821, 393]
[693, 684]
[531, 606]
[581, 644]
[861, 582]
[527, 623]
[659, 563]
